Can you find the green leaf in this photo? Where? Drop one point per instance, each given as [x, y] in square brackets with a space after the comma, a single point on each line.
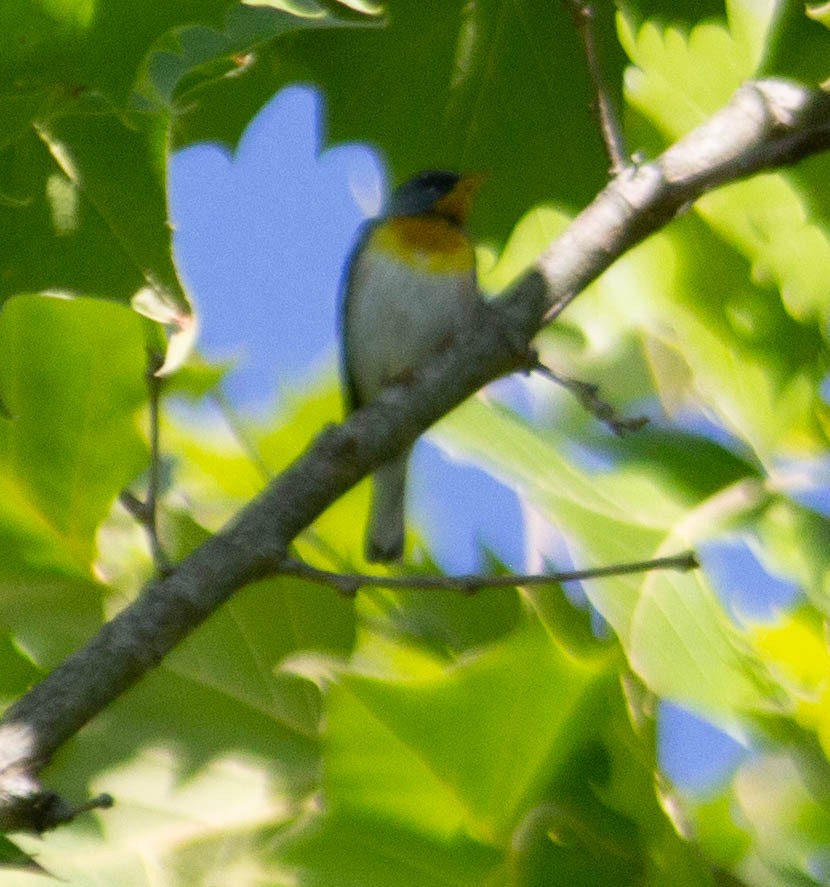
[120, 170]
[681, 77]
[728, 310]
[245, 650]
[73, 376]
[197, 795]
[514, 764]
[56, 241]
[798, 44]
[680, 80]
[17, 671]
[88, 215]
[197, 379]
[776, 803]
[795, 542]
[89, 45]
[742, 354]
[819, 12]
[449, 755]
[348, 851]
[12, 857]
[488, 733]
[85, 214]
[187, 61]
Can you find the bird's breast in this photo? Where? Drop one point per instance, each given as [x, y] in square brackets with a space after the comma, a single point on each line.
[430, 244]
[397, 315]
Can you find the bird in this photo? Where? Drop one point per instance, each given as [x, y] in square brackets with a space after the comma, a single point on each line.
[410, 286]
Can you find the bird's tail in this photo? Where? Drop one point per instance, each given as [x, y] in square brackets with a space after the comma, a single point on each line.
[384, 534]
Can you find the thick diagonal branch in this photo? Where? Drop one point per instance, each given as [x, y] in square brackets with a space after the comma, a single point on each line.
[767, 124]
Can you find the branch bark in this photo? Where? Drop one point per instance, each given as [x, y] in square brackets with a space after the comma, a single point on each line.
[767, 124]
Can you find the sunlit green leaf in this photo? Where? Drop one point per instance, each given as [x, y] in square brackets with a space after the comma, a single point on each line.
[488, 733]
[820, 12]
[66, 456]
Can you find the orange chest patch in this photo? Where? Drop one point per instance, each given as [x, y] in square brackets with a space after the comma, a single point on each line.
[429, 244]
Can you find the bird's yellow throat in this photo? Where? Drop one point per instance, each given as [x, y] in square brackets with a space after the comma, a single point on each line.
[429, 243]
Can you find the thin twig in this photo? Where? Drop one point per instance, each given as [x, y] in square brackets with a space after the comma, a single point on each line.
[584, 16]
[61, 813]
[154, 386]
[587, 393]
[133, 505]
[348, 584]
[146, 512]
[234, 423]
[50, 810]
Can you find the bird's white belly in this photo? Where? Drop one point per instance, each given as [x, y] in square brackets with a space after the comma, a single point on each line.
[398, 316]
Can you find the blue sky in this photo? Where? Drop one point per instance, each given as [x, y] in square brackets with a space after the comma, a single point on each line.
[262, 235]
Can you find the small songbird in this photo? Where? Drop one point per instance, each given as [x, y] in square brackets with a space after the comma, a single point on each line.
[410, 287]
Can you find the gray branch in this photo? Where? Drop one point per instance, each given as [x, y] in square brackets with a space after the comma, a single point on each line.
[348, 584]
[767, 124]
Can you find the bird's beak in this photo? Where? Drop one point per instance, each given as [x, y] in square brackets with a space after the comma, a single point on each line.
[457, 204]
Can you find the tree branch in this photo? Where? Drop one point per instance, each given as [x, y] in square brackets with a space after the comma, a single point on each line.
[584, 16]
[766, 124]
[349, 584]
